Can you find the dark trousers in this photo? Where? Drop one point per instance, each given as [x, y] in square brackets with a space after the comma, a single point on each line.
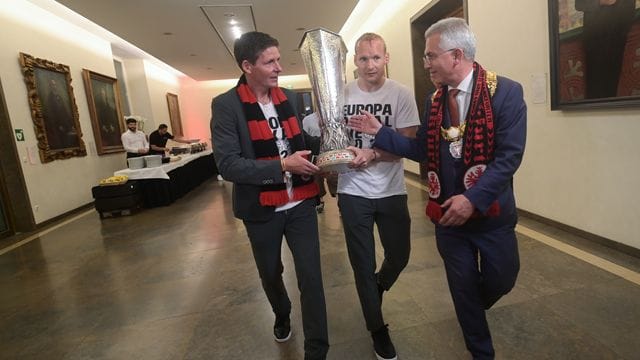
[299, 226]
[481, 267]
[391, 215]
[331, 183]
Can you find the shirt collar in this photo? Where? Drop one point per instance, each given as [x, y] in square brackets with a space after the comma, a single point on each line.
[466, 83]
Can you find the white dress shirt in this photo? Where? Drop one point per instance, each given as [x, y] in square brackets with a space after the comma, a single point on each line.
[134, 141]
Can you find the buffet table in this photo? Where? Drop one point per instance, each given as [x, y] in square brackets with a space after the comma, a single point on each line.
[162, 185]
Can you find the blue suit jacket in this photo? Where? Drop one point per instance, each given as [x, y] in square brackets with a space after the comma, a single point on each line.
[510, 118]
[236, 160]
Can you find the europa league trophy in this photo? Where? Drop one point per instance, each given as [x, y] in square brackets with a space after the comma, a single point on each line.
[324, 56]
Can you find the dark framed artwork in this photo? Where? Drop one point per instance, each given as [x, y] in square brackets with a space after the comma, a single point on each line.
[595, 53]
[174, 114]
[305, 101]
[103, 97]
[53, 109]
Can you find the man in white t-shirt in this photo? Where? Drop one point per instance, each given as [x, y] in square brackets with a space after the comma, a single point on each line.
[375, 191]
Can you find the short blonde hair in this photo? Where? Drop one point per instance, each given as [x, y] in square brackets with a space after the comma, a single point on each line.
[370, 37]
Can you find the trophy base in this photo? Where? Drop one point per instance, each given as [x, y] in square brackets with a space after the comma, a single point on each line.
[335, 161]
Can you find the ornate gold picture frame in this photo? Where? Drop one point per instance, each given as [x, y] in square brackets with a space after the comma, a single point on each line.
[103, 97]
[53, 109]
[174, 115]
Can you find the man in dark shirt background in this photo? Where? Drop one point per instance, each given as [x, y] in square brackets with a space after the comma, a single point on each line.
[158, 140]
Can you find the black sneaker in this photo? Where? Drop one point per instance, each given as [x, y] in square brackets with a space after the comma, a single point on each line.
[282, 329]
[320, 207]
[382, 344]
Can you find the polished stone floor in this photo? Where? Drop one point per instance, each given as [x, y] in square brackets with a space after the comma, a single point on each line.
[179, 282]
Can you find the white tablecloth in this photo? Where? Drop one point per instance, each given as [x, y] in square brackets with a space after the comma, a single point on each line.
[161, 172]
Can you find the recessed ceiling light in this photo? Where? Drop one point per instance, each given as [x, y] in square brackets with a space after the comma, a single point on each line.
[229, 22]
[236, 31]
[167, 33]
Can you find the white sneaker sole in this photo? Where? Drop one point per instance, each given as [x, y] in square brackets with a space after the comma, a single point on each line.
[284, 339]
[382, 358]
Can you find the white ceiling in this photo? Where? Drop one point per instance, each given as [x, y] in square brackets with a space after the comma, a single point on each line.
[194, 48]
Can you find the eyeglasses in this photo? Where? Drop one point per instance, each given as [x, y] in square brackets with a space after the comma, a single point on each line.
[429, 57]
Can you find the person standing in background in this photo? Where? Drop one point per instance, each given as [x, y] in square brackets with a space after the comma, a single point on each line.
[158, 140]
[134, 141]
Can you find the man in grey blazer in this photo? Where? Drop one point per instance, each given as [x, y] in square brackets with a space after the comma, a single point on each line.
[260, 146]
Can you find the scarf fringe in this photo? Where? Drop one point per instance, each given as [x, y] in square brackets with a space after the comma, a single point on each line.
[281, 197]
[433, 211]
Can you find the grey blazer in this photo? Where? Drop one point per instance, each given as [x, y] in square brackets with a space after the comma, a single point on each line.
[235, 157]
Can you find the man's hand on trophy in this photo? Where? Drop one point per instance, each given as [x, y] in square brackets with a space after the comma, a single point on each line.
[298, 163]
[363, 158]
[365, 123]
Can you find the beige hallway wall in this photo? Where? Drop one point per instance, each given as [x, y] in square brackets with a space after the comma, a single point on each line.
[580, 167]
[64, 185]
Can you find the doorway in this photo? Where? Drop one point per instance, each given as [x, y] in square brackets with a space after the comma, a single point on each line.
[6, 229]
[15, 208]
[420, 22]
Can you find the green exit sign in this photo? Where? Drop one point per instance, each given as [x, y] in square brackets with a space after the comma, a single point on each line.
[19, 135]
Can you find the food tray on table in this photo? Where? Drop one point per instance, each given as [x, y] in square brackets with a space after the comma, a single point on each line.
[114, 180]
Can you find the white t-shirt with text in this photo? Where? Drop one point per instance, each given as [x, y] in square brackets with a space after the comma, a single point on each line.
[394, 106]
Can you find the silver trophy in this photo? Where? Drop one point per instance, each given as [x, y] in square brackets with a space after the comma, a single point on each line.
[324, 56]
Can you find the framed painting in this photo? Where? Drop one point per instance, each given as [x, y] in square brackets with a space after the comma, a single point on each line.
[594, 54]
[53, 109]
[174, 115]
[305, 101]
[103, 97]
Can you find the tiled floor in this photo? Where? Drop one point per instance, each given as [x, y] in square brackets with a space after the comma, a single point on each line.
[179, 282]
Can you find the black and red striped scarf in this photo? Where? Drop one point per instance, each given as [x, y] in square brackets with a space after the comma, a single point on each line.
[264, 144]
[478, 143]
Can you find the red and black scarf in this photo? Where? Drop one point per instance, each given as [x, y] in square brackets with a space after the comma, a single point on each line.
[264, 144]
[478, 143]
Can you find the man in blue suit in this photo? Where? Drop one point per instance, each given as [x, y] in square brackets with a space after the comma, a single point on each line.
[473, 140]
[260, 147]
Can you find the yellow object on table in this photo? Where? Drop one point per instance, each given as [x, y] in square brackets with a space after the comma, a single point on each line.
[114, 180]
